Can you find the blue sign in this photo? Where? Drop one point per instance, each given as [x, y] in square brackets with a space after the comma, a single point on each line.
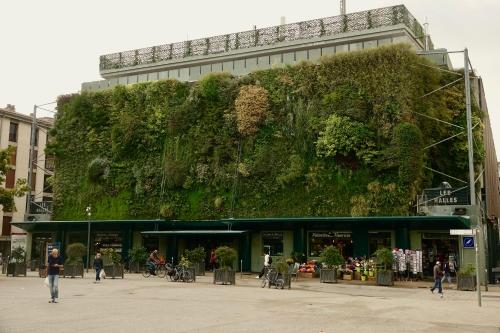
[468, 242]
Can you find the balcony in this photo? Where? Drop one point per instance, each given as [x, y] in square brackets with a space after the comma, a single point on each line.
[331, 26]
[40, 208]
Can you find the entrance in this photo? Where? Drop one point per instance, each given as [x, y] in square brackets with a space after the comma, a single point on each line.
[208, 244]
[438, 246]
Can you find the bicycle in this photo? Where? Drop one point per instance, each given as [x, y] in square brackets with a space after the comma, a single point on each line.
[273, 278]
[159, 270]
[180, 273]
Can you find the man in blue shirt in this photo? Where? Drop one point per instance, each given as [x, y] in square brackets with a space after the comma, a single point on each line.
[54, 264]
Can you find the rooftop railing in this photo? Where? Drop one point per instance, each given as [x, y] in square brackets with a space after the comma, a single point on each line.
[330, 26]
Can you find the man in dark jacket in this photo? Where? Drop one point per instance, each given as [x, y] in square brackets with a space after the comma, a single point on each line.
[438, 275]
[98, 265]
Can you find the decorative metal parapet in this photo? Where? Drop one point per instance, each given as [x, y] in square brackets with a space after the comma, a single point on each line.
[330, 26]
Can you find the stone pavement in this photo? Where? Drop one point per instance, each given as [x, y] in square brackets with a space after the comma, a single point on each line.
[138, 304]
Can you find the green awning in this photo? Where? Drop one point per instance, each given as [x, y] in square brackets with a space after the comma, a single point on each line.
[194, 232]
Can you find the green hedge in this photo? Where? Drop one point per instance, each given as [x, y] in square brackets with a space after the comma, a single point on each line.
[337, 138]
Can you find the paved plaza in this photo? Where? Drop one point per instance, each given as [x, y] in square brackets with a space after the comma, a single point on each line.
[138, 304]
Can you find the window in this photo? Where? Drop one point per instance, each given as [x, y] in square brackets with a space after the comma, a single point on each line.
[273, 243]
[379, 240]
[6, 225]
[13, 156]
[33, 182]
[10, 179]
[47, 188]
[36, 137]
[319, 240]
[13, 132]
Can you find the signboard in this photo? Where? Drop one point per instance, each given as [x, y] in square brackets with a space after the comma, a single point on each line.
[468, 242]
[17, 241]
[446, 196]
[51, 246]
[463, 232]
[345, 234]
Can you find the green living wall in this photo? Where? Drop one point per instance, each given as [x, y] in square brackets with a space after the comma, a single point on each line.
[342, 137]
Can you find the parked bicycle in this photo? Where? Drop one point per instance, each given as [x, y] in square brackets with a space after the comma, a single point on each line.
[180, 273]
[272, 278]
[159, 269]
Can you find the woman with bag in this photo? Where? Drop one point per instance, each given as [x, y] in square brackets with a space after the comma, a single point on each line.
[54, 264]
[98, 266]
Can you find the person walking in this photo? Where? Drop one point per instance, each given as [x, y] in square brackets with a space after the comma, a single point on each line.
[213, 260]
[266, 264]
[447, 273]
[98, 265]
[438, 275]
[53, 267]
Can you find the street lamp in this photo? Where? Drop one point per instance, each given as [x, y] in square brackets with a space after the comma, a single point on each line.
[88, 210]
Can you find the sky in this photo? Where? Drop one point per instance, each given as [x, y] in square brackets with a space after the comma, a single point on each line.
[48, 48]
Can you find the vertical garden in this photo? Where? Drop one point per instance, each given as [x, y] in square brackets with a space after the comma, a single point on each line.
[344, 137]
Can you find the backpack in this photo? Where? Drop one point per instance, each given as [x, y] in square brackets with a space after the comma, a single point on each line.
[270, 260]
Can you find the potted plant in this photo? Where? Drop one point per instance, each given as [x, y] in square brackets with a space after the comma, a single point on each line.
[188, 265]
[384, 259]
[330, 259]
[112, 263]
[138, 257]
[73, 265]
[196, 257]
[225, 259]
[18, 264]
[466, 278]
[284, 270]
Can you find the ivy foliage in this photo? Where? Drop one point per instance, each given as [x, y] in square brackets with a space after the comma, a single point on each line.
[338, 138]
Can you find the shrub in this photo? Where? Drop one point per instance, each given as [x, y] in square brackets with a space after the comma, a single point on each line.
[111, 256]
[138, 254]
[331, 257]
[98, 170]
[75, 253]
[251, 108]
[195, 255]
[468, 270]
[384, 258]
[225, 256]
[18, 255]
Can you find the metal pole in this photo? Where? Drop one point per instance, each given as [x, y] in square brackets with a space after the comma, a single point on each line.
[472, 186]
[88, 236]
[31, 159]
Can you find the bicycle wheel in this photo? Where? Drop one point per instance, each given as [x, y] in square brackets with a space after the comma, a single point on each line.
[280, 283]
[187, 276]
[145, 271]
[263, 282]
[161, 271]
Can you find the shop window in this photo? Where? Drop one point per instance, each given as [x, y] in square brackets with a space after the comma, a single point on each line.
[438, 246]
[341, 240]
[6, 225]
[10, 179]
[108, 240]
[151, 243]
[379, 240]
[13, 132]
[273, 242]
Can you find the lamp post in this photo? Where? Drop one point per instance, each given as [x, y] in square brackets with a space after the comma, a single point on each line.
[88, 210]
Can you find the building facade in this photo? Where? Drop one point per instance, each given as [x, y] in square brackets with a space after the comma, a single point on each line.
[15, 131]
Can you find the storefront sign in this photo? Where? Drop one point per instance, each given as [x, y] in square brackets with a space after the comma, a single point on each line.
[446, 196]
[272, 235]
[463, 232]
[331, 234]
[468, 242]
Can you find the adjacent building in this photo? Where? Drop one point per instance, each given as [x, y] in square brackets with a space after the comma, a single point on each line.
[15, 131]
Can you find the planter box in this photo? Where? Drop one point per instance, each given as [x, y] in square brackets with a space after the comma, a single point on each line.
[328, 275]
[225, 276]
[16, 269]
[113, 271]
[135, 267]
[73, 270]
[385, 278]
[347, 277]
[308, 275]
[199, 268]
[466, 283]
[357, 275]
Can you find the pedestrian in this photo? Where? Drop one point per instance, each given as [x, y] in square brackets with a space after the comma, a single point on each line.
[213, 259]
[438, 275]
[54, 264]
[98, 265]
[267, 263]
[447, 272]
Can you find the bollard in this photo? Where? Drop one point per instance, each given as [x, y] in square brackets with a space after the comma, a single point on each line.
[241, 268]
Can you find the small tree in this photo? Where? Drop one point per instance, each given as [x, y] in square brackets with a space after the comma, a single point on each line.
[195, 255]
[111, 255]
[384, 258]
[75, 253]
[225, 256]
[331, 257]
[138, 254]
[18, 255]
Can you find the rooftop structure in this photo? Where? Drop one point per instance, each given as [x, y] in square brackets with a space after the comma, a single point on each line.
[242, 52]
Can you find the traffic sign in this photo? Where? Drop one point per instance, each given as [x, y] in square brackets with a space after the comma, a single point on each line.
[463, 232]
[468, 242]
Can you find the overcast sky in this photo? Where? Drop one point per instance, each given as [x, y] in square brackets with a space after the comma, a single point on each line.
[48, 48]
